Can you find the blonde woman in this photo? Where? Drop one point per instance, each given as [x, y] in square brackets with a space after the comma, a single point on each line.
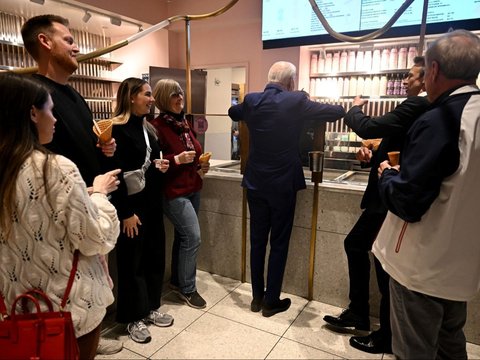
[182, 187]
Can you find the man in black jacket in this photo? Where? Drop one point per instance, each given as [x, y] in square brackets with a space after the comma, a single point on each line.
[392, 127]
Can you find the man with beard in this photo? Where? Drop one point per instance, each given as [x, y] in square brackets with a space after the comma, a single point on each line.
[49, 41]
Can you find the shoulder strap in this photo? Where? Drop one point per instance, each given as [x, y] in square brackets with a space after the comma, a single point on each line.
[70, 279]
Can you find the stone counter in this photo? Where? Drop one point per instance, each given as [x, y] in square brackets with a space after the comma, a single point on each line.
[339, 208]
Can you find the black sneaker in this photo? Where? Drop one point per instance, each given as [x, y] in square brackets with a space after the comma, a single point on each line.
[348, 320]
[279, 306]
[193, 299]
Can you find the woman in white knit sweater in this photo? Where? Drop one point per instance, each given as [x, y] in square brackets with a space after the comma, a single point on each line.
[46, 214]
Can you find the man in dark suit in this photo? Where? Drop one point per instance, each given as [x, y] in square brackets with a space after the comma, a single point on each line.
[274, 174]
[392, 127]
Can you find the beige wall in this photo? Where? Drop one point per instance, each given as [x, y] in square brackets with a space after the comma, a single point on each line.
[229, 39]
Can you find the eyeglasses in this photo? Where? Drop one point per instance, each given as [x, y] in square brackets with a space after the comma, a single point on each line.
[177, 94]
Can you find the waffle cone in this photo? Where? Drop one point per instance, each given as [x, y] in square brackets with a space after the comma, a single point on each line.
[105, 127]
[204, 158]
[372, 144]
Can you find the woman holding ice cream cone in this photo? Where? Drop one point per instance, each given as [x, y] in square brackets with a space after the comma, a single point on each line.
[182, 187]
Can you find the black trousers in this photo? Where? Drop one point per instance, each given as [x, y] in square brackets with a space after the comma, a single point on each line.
[141, 265]
[270, 213]
[358, 244]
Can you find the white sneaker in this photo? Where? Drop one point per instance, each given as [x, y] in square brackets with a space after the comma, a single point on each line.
[109, 346]
[159, 319]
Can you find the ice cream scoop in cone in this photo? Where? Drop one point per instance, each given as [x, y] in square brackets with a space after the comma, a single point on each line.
[204, 158]
[103, 129]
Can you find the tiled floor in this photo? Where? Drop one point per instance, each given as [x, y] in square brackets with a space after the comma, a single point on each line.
[227, 329]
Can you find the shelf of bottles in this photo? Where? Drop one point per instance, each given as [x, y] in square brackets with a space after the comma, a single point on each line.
[93, 79]
[339, 73]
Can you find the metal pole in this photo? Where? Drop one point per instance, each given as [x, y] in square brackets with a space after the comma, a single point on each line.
[188, 75]
[313, 240]
[423, 28]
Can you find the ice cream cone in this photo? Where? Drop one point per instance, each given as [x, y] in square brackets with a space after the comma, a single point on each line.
[204, 158]
[394, 157]
[103, 129]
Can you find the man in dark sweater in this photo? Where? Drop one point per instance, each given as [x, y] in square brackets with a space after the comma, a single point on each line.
[392, 127]
[49, 41]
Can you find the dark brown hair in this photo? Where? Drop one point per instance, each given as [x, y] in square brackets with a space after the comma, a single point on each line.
[35, 26]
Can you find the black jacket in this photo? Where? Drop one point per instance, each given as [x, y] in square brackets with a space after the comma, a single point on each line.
[392, 127]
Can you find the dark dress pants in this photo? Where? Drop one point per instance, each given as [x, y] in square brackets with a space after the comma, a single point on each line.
[141, 263]
[270, 213]
[358, 244]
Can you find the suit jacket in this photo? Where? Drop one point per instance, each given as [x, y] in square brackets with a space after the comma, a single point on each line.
[392, 127]
[275, 119]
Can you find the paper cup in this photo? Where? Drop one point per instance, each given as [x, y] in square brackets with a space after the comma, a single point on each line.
[394, 157]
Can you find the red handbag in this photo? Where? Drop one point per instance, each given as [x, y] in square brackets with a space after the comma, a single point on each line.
[38, 335]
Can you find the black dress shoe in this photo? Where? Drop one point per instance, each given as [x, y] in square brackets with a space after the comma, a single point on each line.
[349, 320]
[278, 306]
[373, 343]
[256, 304]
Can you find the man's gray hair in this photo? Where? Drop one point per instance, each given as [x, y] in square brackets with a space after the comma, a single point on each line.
[282, 72]
[457, 54]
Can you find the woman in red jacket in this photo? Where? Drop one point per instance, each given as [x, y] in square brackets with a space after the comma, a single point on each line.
[182, 187]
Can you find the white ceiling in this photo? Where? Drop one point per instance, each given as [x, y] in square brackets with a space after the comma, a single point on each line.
[99, 23]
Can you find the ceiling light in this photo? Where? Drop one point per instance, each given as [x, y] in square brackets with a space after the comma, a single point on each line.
[41, 2]
[86, 17]
[115, 21]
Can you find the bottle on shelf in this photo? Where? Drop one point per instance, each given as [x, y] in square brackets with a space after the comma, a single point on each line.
[375, 86]
[412, 52]
[359, 61]
[360, 86]
[343, 61]
[367, 61]
[314, 63]
[397, 85]
[402, 58]
[393, 59]
[321, 63]
[328, 63]
[376, 57]
[351, 61]
[352, 91]
[339, 87]
[367, 88]
[312, 91]
[336, 62]
[383, 85]
[384, 61]
[390, 84]
[346, 86]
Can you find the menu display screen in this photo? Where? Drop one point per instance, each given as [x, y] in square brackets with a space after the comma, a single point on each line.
[295, 19]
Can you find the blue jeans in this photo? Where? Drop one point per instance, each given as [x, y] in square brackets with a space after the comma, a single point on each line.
[183, 213]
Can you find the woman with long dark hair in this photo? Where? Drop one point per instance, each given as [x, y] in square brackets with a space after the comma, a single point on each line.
[46, 214]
